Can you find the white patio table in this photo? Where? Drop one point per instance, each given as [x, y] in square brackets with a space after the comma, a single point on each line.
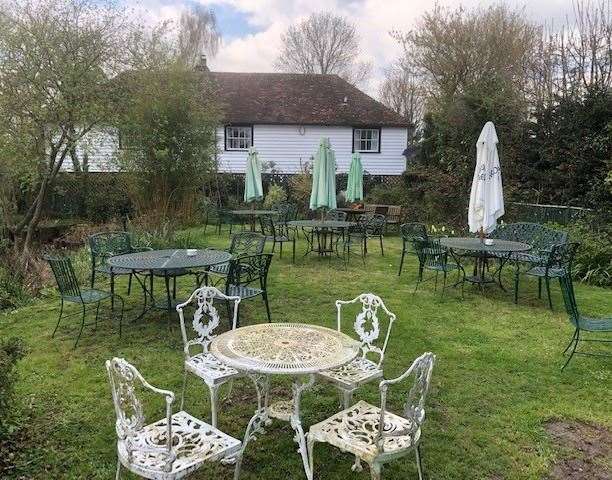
[293, 349]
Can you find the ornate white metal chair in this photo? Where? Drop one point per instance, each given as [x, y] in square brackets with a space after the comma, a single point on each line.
[203, 364]
[170, 448]
[374, 434]
[361, 370]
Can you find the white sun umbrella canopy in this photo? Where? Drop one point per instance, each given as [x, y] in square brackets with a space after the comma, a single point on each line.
[487, 195]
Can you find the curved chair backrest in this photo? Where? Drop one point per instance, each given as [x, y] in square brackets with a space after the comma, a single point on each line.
[247, 243]
[286, 212]
[247, 269]
[569, 299]
[268, 228]
[67, 283]
[107, 244]
[205, 317]
[414, 408]
[125, 380]
[562, 257]
[411, 231]
[431, 252]
[367, 324]
[335, 215]
[538, 236]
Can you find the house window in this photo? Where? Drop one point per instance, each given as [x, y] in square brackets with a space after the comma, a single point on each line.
[238, 137]
[366, 140]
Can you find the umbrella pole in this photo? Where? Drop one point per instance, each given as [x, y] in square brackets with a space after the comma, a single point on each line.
[253, 216]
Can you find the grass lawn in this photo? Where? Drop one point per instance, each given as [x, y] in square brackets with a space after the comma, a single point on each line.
[496, 382]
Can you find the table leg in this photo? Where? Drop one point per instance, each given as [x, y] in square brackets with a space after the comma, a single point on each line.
[259, 419]
[296, 423]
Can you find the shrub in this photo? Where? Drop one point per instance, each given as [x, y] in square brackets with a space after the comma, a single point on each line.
[275, 196]
[593, 262]
[11, 351]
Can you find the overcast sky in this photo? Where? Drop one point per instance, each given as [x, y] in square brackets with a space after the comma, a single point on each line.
[251, 29]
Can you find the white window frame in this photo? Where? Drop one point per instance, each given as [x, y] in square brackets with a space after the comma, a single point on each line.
[238, 137]
[364, 135]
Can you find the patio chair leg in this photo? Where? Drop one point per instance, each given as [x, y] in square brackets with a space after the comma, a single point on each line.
[121, 315]
[436, 283]
[59, 319]
[129, 284]
[577, 339]
[347, 398]
[310, 443]
[281, 249]
[118, 472]
[357, 467]
[238, 465]
[168, 299]
[417, 452]
[112, 289]
[382, 249]
[96, 319]
[265, 299]
[547, 282]
[229, 313]
[293, 257]
[214, 395]
[174, 288]
[540, 287]
[401, 265]
[81, 329]
[571, 341]
[93, 276]
[516, 286]
[184, 387]
[375, 471]
[444, 283]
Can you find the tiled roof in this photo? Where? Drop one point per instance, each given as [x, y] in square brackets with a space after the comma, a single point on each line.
[299, 99]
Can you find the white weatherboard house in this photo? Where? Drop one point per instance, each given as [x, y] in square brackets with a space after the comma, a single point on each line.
[284, 116]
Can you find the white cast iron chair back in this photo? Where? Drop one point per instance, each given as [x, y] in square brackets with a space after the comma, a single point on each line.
[370, 305]
[377, 435]
[414, 407]
[204, 299]
[125, 379]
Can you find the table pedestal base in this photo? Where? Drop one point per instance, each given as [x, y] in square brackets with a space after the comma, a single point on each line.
[285, 410]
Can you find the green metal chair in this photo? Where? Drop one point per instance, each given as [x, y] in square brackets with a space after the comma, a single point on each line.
[409, 232]
[104, 245]
[433, 256]
[371, 225]
[581, 323]
[335, 215]
[277, 233]
[247, 278]
[243, 243]
[70, 291]
[557, 264]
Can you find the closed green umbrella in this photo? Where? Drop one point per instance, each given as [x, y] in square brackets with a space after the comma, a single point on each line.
[354, 189]
[253, 190]
[324, 177]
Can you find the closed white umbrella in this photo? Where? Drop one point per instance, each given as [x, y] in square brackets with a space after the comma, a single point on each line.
[487, 195]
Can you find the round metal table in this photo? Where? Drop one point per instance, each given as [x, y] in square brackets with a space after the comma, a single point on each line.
[475, 247]
[252, 214]
[165, 263]
[320, 239]
[293, 349]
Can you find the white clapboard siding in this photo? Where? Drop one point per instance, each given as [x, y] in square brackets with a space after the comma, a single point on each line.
[289, 146]
[101, 147]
